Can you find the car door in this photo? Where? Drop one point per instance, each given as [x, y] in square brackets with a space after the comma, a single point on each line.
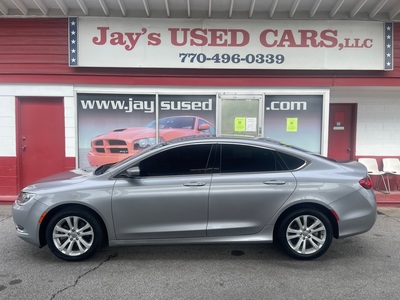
[168, 200]
[251, 186]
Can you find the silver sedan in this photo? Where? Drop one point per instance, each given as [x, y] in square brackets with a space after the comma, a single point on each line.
[200, 190]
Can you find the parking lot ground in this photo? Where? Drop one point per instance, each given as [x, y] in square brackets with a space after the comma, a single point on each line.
[360, 267]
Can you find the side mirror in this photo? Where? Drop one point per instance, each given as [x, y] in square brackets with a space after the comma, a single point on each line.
[203, 127]
[133, 172]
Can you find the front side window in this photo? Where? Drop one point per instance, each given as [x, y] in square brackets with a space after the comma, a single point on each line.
[239, 158]
[184, 160]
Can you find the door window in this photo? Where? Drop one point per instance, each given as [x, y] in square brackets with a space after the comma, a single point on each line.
[183, 160]
[238, 158]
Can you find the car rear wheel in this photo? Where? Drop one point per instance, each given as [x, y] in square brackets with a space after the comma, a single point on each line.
[73, 234]
[305, 234]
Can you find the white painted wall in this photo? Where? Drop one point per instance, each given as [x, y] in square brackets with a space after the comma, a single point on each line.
[70, 126]
[378, 119]
[7, 126]
[378, 129]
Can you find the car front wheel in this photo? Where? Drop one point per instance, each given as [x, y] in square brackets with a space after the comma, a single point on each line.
[73, 234]
[305, 234]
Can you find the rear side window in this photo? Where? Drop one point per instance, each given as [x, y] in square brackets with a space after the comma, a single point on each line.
[292, 162]
[239, 158]
[183, 160]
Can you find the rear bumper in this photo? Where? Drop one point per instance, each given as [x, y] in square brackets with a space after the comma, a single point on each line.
[357, 212]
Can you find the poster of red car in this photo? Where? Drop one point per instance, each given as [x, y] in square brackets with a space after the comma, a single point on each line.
[113, 127]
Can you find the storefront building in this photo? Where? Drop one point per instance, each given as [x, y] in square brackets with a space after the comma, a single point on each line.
[88, 90]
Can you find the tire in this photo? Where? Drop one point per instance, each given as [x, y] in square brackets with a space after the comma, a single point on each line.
[73, 234]
[305, 234]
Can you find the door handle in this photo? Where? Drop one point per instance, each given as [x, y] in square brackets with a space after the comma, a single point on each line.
[274, 182]
[23, 148]
[195, 184]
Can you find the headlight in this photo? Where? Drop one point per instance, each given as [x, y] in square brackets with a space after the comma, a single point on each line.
[23, 198]
[145, 143]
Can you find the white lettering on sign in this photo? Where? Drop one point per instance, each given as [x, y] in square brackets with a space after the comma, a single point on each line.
[287, 105]
[186, 105]
[127, 106]
[131, 105]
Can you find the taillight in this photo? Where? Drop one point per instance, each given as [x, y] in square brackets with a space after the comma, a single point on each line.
[366, 183]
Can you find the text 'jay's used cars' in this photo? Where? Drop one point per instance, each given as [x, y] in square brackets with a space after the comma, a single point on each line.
[200, 190]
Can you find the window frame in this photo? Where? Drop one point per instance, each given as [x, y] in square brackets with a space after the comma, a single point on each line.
[207, 166]
[277, 155]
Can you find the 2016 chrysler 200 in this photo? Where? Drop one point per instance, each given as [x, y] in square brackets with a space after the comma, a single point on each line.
[201, 190]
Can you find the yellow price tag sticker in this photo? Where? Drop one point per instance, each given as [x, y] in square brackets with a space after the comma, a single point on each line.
[291, 124]
[240, 124]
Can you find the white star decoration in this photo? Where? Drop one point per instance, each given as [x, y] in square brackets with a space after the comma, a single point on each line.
[389, 49]
[73, 32]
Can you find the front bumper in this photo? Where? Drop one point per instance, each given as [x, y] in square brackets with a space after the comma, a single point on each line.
[26, 218]
[99, 159]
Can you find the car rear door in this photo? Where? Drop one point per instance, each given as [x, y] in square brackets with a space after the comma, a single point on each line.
[168, 200]
[249, 189]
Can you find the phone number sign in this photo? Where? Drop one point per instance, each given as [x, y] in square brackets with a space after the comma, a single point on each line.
[230, 44]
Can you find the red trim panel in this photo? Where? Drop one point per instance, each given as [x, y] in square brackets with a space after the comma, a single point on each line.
[188, 81]
[35, 50]
[8, 176]
[70, 163]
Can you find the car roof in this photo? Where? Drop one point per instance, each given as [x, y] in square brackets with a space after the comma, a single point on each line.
[254, 141]
[261, 141]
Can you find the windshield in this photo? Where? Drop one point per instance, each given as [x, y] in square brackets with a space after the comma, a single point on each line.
[173, 122]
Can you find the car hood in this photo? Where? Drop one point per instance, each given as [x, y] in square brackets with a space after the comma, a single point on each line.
[135, 133]
[61, 179]
[132, 133]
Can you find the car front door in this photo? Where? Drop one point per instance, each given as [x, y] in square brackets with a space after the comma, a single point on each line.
[168, 200]
[249, 189]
